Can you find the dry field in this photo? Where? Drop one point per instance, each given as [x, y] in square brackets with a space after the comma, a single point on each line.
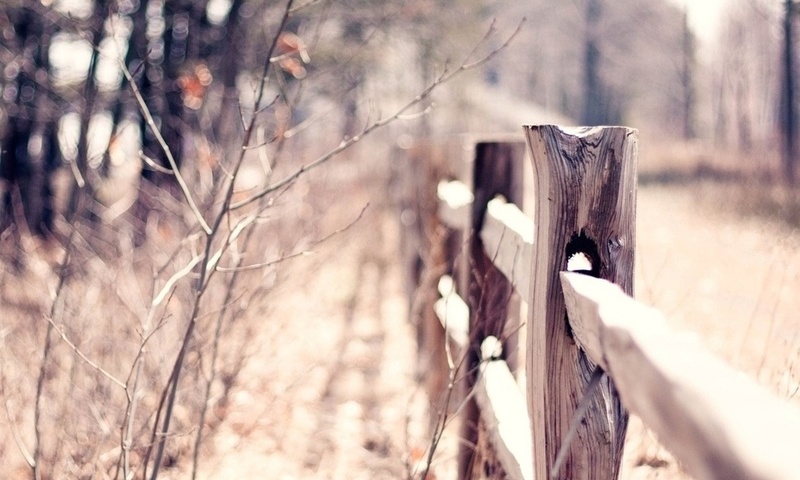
[718, 251]
[326, 384]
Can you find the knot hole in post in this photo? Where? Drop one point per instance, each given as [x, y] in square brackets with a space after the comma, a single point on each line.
[582, 255]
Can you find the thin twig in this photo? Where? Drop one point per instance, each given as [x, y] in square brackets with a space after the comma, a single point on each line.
[577, 419]
[444, 417]
[132, 392]
[443, 78]
[46, 349]
[12, 423]
[167, 401]
[186, 270]
[83, 356]
[155, 166]
[304, 252]
[167, 152]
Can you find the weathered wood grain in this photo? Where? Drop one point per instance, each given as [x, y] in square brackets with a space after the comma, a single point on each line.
[717, 422]
[585, 185]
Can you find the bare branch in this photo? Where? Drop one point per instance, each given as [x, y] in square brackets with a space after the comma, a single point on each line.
[167, 152]
[300, 253]
[496, 51]
[309, 3]
[186, 270]
[13, 424]
[82, 356]
[155, 166]
[167, 402]
[443, 78]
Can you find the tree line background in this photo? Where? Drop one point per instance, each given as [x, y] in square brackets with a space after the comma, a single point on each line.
[639, 63]
[68, 107]
[597, 62]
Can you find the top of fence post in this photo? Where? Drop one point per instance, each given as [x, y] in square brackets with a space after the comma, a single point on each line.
[585, 187]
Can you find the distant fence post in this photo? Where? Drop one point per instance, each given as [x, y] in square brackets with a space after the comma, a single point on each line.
[497, 170]
[430, 249]
[585, 187]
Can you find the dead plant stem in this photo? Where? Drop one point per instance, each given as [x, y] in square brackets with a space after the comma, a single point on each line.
[444, 77]
[167, 152]
[47, 348]
[170, 392]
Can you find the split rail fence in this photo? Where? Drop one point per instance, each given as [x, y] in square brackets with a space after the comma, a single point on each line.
[592, 353]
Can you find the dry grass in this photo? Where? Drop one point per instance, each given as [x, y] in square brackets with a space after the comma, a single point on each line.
[110, 347]
[314, 371]
[717, 251]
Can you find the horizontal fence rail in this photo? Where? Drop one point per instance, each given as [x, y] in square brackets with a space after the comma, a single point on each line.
[717, 422]
[507, 236]
[453, 312]
[504, 412]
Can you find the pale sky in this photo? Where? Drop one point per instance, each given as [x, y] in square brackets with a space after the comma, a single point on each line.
[704, 16]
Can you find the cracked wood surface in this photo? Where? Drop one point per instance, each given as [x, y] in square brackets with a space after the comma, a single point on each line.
[585, 186]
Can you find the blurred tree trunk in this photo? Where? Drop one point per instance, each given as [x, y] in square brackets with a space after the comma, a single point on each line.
[224, 55]
[743, 113]
[788, 107]
[592, 95]
[720, 114]
[687, 78]
[28, 152]
[741, 87]
[159, 54]
[182, 25]
[44, 153]
[89, 97]
[354, 76]
[600, 107]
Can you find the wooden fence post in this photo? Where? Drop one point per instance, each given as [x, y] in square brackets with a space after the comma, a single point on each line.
[429, 251]
[585, 187]
[497, 170]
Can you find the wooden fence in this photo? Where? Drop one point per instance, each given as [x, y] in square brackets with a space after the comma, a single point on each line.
[592, 352]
